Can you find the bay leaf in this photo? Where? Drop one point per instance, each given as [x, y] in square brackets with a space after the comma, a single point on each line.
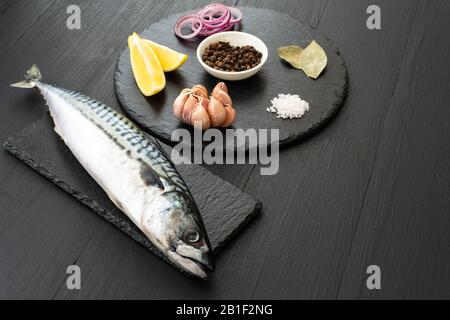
[312, 60]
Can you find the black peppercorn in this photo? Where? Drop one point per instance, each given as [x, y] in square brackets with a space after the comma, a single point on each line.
[222, 56]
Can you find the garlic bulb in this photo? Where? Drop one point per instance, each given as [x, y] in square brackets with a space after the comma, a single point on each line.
[194, 107]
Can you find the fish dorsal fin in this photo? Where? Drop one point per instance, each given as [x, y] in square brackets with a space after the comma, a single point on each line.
[150, 177]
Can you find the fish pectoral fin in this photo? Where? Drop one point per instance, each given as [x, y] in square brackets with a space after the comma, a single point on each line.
[150, 177]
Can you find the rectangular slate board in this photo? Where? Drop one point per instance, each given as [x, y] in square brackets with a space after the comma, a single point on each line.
[224, 208]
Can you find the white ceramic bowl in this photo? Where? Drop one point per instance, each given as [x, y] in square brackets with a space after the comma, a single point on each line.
[235, 38]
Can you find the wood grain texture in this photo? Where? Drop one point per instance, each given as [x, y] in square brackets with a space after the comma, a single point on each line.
[251, 97]
[15, 20]
[371, 188]
[404, 222]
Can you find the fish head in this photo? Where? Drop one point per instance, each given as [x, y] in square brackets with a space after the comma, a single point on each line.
[175, 227]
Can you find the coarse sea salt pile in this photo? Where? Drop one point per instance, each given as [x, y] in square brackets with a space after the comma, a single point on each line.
[288, 106]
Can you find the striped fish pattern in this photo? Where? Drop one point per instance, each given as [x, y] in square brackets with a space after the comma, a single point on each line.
[128, 135]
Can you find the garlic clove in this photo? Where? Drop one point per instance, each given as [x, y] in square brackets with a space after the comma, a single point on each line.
[189, 107]
[223, 97]
[216, 112]
[204, 102]
[230, 116]
[200, 90]
[200, 118]
[220, 86]
[178, 105]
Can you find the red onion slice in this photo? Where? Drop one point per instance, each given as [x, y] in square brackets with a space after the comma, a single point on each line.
[212, 19]
[215, 15]
[207, 33]
[212, 7]
[186, 20]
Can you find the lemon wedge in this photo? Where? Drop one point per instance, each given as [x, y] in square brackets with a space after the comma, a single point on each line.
[147, 69]
[170, 59]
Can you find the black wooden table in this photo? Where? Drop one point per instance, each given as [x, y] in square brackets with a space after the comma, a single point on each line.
[370, 189]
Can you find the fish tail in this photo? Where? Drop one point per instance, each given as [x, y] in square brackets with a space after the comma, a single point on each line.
[32, 76]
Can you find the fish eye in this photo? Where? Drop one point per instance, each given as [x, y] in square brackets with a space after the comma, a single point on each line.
[192, 236]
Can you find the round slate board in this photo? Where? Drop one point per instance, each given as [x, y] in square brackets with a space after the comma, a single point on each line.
[250, 97]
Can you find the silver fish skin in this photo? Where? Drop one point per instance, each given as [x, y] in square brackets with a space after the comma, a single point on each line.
[133, 171]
